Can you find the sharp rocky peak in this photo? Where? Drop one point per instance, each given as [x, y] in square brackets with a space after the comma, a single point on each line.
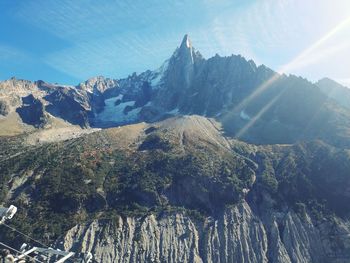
[186, 52]
[186, 42]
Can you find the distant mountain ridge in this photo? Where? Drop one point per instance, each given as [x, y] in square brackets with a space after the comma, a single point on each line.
[334, 90]
[252, 102]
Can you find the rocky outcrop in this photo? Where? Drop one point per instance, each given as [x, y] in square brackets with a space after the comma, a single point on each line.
[237, 235]
[32, 111]
[4, 108]
[98, 85]
[67, 104]
[178, 76]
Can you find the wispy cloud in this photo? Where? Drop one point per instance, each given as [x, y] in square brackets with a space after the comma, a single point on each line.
[318, 55]
[118, 37]
[111, 37]
[108, 56]
[275, 32]
[11, 54]
[82, 20]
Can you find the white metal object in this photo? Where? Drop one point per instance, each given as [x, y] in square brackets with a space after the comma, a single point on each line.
[48, 252]
[7, 213]
[25, 253]
[23, 247]
[70, 254]
[87, 258]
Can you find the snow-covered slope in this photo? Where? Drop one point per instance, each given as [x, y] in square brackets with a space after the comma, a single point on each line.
[116, 112]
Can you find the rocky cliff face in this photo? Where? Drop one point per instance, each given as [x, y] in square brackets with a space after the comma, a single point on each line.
[237, 235]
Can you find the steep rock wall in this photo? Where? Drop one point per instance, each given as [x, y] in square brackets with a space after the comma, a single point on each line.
[237, 235]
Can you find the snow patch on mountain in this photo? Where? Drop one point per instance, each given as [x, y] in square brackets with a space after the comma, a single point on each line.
[188, 43]
[244, 116]
[113, 113]
[158, 74]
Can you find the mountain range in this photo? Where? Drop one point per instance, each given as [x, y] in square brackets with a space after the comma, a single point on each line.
[230, 89]
[201, 160]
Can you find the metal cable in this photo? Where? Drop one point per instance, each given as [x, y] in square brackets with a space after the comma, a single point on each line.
[19, 232]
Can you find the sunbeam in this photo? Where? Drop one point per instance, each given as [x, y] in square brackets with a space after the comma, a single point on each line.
[257, 116]
[276, 76]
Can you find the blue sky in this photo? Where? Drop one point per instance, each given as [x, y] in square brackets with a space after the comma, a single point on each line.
[68, 41]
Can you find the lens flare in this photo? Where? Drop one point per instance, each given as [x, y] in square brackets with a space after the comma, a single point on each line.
[276, 76]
